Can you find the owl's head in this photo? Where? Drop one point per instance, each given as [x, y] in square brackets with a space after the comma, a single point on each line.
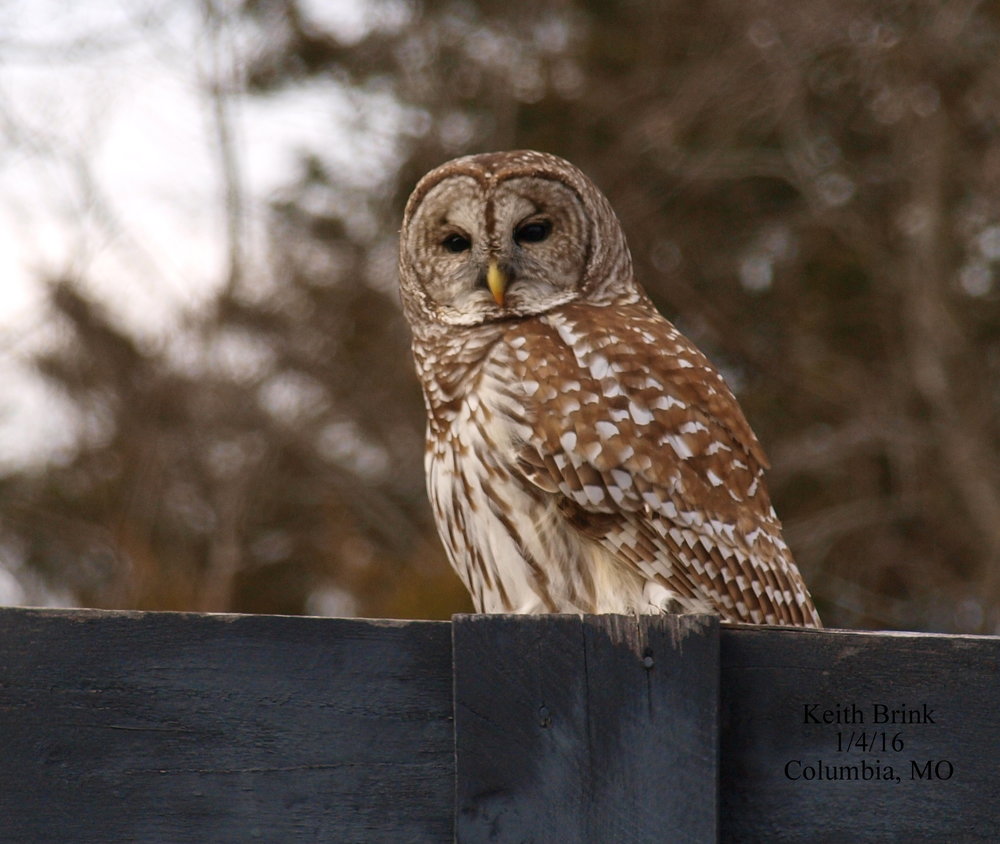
[509, 234]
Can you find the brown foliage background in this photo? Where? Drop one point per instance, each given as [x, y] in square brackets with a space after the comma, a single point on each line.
[811, 191]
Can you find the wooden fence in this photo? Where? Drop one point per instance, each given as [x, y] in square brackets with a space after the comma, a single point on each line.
[167, 727]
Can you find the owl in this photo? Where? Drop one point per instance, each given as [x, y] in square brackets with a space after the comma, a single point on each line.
[582, 456]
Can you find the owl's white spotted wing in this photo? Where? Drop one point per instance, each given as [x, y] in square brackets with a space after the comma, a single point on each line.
[649, 455]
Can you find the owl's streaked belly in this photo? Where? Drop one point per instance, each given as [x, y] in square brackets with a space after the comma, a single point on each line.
[515, 553]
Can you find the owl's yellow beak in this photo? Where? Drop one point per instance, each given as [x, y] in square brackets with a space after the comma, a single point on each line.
[496, 280]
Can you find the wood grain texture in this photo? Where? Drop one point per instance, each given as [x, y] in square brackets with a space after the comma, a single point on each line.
[768, 678]
[586, 728]
[168, 727]
[173, 727]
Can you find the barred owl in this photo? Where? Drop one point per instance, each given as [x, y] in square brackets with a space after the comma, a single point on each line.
[582, 455]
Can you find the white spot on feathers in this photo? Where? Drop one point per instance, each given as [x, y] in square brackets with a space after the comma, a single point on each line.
[692, 427]
[621, 479]
[599, 366]
[641, 415]
[665, 402]
[680, 447]
[605, 430]
[566, 334]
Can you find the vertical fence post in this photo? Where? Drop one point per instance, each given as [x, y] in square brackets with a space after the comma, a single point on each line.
[586, 728]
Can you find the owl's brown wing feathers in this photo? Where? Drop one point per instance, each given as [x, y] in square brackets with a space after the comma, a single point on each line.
[650, 456]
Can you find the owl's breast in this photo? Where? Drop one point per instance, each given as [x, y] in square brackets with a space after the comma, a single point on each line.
[486, 517]
[506, 536]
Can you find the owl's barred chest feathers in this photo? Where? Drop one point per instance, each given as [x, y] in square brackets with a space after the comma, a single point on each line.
[582, 455]
[524, 554]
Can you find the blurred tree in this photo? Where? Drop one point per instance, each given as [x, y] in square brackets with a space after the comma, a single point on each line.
[812, 192]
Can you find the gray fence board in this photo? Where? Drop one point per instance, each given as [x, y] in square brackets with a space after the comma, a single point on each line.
[810, 753]
[586, 729]
[172, 727]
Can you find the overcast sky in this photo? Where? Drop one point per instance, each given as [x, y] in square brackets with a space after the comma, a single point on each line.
[109, 171]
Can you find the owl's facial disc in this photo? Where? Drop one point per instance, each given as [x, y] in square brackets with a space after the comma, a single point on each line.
[489, 251]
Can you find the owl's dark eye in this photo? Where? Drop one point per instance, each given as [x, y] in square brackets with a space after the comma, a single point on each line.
[533, 232]
[456, 243]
